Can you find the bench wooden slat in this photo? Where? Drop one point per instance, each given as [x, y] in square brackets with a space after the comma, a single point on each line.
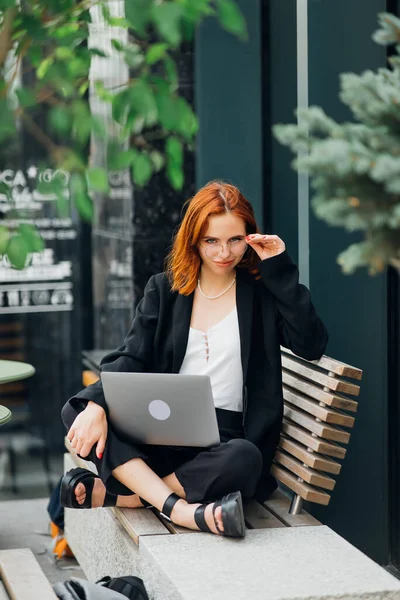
[310, 372]
[312, 459]
[328, 415]
[258, 517]
[22, 576]
[139, 522]
[309, 475]
[315, 443]
[321, 429]
[304, 490]
[278, 504]
[330, 364]
[309, 389]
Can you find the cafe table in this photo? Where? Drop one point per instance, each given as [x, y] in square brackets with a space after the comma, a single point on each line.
[12, 370]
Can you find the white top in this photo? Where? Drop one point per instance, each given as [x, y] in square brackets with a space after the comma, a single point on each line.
[217, 354]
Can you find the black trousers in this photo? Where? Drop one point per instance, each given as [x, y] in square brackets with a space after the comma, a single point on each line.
[206, 474]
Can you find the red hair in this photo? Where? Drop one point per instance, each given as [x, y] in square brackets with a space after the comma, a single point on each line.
[183, 262]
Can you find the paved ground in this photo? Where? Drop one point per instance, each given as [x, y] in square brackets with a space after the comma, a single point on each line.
[25, 524]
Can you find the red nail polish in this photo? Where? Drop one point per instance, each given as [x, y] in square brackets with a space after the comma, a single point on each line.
[101, 455]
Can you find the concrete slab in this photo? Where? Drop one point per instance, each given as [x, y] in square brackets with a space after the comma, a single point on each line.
[99, 542]
[271, 564]
[25, 524]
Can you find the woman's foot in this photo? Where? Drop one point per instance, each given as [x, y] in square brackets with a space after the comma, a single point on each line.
[98, 495]
[183, 514]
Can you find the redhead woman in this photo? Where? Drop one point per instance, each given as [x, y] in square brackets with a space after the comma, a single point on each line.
[229, 297]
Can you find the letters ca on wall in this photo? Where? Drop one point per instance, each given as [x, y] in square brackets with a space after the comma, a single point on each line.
[45, 284]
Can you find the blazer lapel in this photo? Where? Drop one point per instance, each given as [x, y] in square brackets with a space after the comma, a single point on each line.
[181, 325]
[244, 304]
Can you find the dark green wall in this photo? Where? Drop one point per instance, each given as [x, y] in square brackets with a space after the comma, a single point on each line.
[241, 89]
[228, 103]
[354, 308]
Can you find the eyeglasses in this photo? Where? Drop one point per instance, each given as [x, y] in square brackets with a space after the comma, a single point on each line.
[237, 247]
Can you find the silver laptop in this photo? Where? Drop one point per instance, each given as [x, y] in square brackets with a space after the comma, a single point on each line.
[162, 409]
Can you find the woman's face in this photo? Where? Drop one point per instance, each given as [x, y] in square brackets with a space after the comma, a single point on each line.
[223, 243]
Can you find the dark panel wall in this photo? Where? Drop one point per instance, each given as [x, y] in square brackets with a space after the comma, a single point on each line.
[354, 308]
[228, 103]
[279, 101]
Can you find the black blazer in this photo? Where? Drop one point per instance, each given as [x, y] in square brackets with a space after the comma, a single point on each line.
[272, 311]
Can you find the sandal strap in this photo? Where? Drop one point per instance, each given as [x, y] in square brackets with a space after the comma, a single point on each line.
[110, 499]
[169, 505]
[216, 505]
[200, 520]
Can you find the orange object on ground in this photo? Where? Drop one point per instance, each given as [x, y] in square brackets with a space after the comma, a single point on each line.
[60, 544]
[88, 377]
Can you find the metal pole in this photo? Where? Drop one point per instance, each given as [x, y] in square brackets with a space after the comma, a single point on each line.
[296, 505]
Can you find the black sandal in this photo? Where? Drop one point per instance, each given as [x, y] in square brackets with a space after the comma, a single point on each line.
[68, 485]
[232, 514]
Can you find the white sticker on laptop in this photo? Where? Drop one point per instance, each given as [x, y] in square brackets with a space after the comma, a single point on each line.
[159, 410]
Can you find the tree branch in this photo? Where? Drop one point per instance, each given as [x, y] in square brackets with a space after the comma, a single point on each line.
[6, 42]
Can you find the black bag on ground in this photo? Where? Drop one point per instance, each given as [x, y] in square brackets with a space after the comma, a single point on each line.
[107, 588]
[130, 586]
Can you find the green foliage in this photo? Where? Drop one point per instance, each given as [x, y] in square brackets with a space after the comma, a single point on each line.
[51, 38]
[355, 167]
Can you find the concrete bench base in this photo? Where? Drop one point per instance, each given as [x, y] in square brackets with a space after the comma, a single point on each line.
[281, 563]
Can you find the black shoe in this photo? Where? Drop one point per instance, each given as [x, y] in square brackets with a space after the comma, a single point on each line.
[72, 479]
[232, 514]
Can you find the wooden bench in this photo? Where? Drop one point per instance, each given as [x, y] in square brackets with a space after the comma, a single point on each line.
[21, 577]
[314, 432]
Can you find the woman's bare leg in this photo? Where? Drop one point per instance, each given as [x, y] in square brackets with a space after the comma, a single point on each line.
[138, 477]
[99, 492]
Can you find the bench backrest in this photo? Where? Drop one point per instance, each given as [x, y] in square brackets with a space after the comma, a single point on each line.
[315, 425]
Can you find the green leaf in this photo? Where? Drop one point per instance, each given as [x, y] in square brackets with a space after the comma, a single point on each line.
[167, 19]
[4, 239]
[175, 176]
[44, 67]
[167, 110]
[142, 169]
[231, 18]
[4, 4]
[138, 13]
[120, 105]
[97, 179]
[60, 119]
[118, 159]
[80, 197]
[157, 159]
[32, 237]
[64, 53]
[17, 251]
[97, 52]
[155, 53]
[187, 121]
[171, 71]
[7, 122]
[26, 97]
[142, 102]
[174, 150]
[117, 45]
[35, 55]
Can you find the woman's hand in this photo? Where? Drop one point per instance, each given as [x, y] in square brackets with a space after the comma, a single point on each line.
[266, 246]
[89, 427]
